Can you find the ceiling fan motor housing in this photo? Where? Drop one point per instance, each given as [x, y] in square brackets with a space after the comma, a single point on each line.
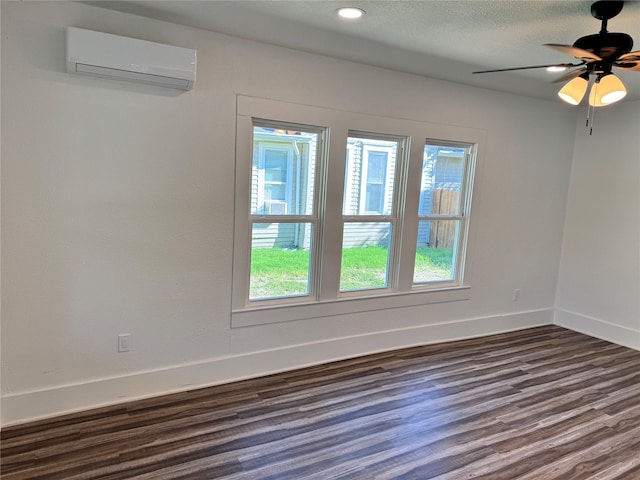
[606, 45]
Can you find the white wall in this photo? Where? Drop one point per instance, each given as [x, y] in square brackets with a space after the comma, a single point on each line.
[599, 279]
[117, 209]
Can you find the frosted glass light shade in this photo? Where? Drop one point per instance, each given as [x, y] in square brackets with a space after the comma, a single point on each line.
[574, 91]
[610, 89]
[594, 97]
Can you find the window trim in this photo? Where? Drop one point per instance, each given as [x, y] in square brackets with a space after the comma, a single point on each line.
[327, 301]
[344, 305]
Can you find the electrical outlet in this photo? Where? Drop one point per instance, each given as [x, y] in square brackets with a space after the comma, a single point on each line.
[516, 295]
[124, 342]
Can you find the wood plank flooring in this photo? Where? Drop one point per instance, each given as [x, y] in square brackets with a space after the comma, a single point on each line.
[538, 404]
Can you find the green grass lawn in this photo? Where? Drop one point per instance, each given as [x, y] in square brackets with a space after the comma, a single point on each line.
[277, 272]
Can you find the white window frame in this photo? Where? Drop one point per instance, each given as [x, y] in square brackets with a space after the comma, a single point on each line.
[462, 216]
[242, 282]
[326, 299]
[394, 216]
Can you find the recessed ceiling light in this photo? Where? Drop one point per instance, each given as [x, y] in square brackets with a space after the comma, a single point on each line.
[350, 13]
[556, 68]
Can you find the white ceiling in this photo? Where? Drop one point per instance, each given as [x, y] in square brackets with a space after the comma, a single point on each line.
[445, 39]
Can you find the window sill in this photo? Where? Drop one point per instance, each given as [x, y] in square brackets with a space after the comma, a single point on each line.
[264, 315]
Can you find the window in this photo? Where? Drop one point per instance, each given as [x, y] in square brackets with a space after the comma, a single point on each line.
[340, 212]
[283, 217]
[441, 210]
[370, 211]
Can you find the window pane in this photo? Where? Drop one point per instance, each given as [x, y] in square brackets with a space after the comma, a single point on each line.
[283, 171]
[377, 167]
[280, 260]
[275, 165]
[374, 199]
[365, 256]
[369, 176]
[275, 193]
[442, 172]
[436, 251]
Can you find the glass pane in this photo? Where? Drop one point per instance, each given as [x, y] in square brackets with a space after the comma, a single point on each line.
[275, 165]
[375, 197]
[280, 260]
[274, 192]
[365, 256]
[442, 172]
[377, 167]
[436, 251]
[369, 176]
[283, 171]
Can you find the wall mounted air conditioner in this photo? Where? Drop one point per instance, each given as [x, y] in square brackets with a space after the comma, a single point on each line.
[123, 58]
[275, 207]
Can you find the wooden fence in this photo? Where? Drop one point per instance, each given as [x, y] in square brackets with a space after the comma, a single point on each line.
[443, 233]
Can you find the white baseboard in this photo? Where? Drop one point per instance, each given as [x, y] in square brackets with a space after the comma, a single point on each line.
[28, 406]
[598, 328]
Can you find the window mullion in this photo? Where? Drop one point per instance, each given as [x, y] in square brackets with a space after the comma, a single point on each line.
[329, 265]
[409, 212]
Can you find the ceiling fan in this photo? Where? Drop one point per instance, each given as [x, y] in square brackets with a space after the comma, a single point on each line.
[598, 54]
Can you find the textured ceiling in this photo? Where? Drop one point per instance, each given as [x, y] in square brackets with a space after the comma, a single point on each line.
[441, 39]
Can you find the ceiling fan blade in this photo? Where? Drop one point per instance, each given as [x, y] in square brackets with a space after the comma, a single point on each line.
[566, 65]
[583, 55]
[629, 61]
[570, 75]
[632, 66]
[629, 57]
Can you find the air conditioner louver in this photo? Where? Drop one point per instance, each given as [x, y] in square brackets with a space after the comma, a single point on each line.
[130, 59]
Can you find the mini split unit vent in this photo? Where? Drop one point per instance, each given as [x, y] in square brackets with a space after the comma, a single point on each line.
[122, 58]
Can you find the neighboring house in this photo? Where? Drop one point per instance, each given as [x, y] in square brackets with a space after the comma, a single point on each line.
[283, 176]
[284, 168]
[370, 175]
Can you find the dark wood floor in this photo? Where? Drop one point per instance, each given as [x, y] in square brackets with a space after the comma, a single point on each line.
[543, 403]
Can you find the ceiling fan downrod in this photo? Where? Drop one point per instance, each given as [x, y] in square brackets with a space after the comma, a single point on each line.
[607, 46]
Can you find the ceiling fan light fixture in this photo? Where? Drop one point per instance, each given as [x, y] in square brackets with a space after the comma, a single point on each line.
[610, 89]
[598, 54]
[573, 91]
